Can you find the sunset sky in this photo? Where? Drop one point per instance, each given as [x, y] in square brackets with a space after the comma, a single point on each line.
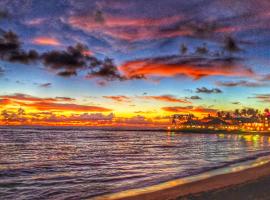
[131, 62]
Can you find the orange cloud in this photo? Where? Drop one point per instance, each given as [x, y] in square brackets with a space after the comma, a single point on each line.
[89, 23]
[186, 109]
[119, 98]
[45, 106]
[167, 98]
[46, 41]
[25, 97]
[194, 67]
[4, 102]
[49, 104]
[119, 27]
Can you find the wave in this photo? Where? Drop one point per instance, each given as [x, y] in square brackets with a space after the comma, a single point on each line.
[231, 167]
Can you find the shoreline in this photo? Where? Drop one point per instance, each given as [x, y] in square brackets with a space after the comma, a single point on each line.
[213, 180]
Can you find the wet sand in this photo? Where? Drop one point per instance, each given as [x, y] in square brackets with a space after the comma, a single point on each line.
[258, 189]
[251, 182]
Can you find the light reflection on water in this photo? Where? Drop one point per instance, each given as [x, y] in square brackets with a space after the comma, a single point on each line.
[77, 163]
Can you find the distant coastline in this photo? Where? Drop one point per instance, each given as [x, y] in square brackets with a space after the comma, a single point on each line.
[213, 131]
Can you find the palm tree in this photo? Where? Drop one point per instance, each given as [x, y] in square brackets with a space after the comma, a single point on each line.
[236, 112]
[243, 112]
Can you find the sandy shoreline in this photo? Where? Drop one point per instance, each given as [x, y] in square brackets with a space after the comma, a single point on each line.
[203, 185]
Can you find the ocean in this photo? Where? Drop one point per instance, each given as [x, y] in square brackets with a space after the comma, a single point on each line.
[80, 163]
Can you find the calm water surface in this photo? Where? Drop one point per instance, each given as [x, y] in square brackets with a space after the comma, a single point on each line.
[76, 163]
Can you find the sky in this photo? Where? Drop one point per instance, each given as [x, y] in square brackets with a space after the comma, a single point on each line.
[131, 62]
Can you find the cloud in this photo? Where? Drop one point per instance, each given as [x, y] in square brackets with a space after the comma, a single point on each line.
[45, 85]
[90, 117]
[50, 104]
[241, 83]
[67, 73]
[195, 67]
[63, 63]
[69, 60]
[65, 99]
[119, 99]
[4, 14]
[146, 21]
[136, 120]
[2, 71]
[186, 109]
[25, 97]
[10, 49]
[208, 91]
[236, 103]
[35, 22]
[265, 77]
[46, 106]
[262, 97]
[124, 27]
[4, 102]
[21, 117]
[166, 98]
[106, 70]
[195, 98]
[79, 58]
[46, 41]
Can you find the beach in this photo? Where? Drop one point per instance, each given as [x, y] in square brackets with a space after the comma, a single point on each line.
[251, 190]
[250, 183]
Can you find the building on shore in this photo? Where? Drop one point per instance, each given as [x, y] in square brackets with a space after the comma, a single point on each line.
[248, 122]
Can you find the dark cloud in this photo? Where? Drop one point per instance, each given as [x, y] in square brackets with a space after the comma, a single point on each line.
[64, 63]
[9, 42]
[240, 83]
[24, 57]
[10, 49]
[236, 103]
[105, 69]
[4, 14]
[208, 91]
[69, 60]
[67, 73]
[231, 45]
[195, 98]
[45, 85]
[183, 49]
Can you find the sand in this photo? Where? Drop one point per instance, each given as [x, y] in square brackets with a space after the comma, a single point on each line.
[258, 189]
[249, 181]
